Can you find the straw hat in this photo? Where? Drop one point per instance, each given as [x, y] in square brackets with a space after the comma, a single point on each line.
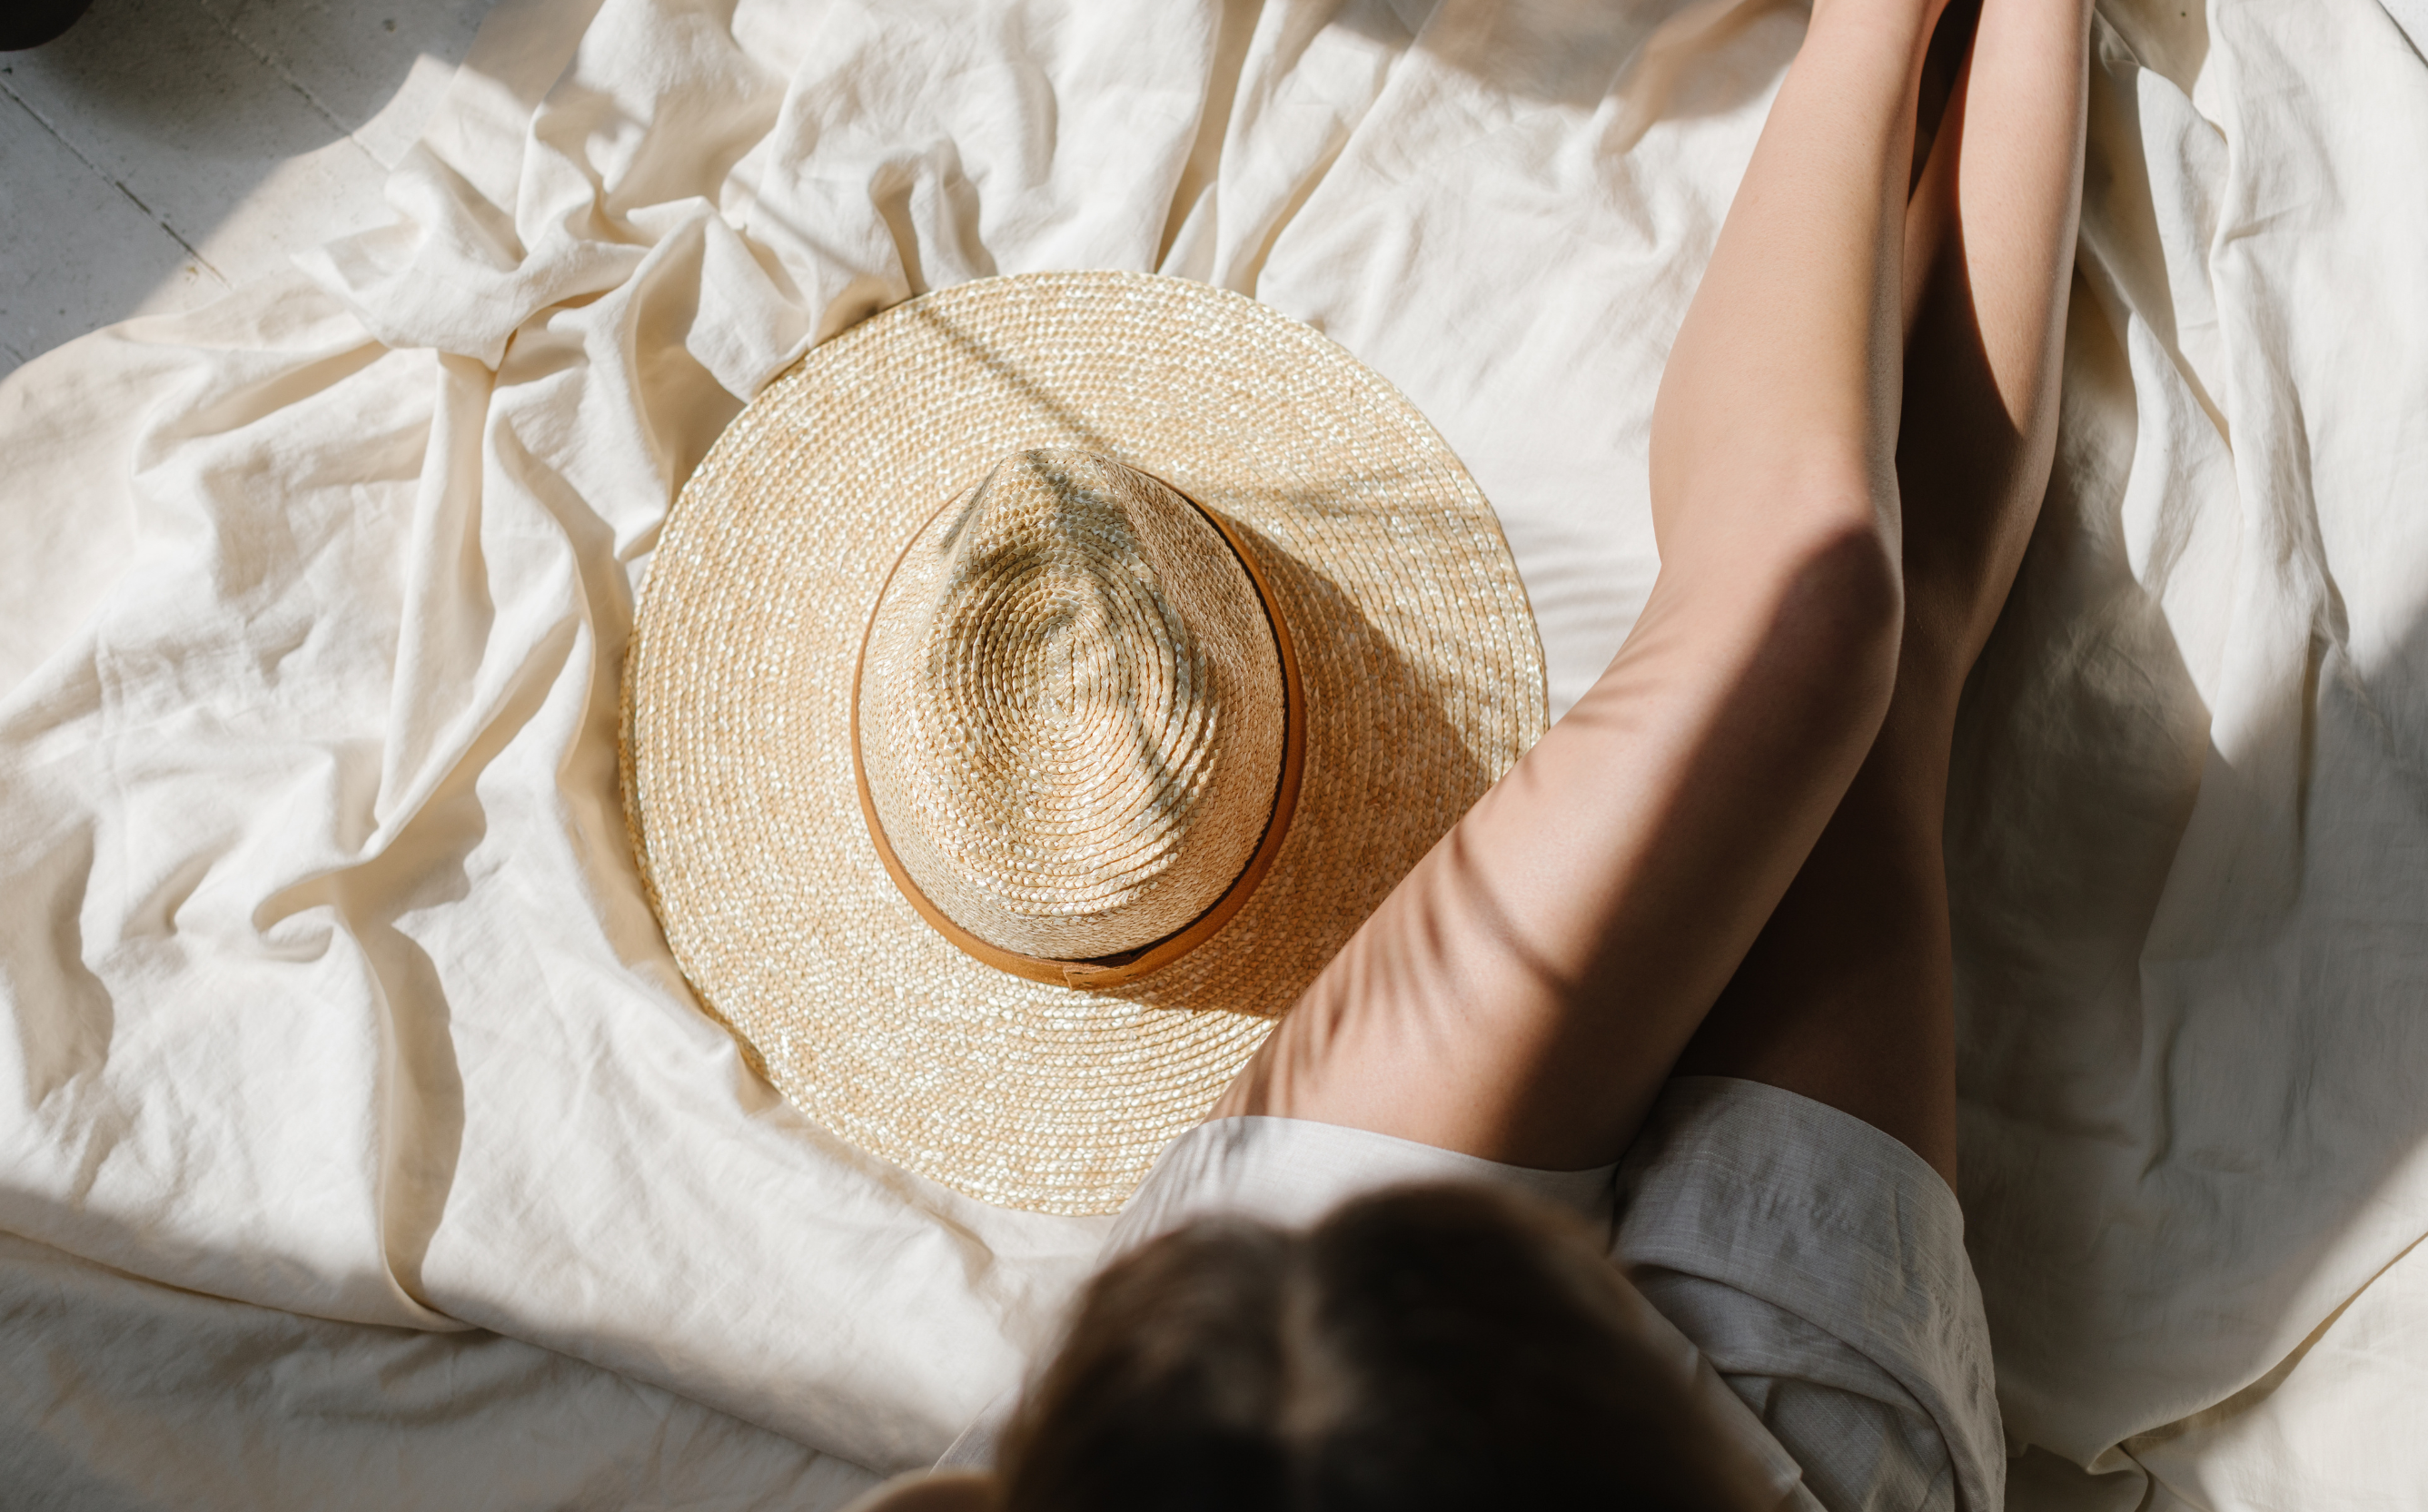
[1033, 689]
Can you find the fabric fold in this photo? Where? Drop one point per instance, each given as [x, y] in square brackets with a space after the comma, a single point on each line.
[1836, 1226]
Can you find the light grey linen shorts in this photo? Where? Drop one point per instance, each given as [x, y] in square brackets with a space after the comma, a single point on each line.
[1812, 1267]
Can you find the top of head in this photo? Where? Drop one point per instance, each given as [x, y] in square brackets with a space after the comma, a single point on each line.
[1422, 1347]
[1071, 709]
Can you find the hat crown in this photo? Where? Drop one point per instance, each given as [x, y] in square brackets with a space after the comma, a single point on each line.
[1071, 709]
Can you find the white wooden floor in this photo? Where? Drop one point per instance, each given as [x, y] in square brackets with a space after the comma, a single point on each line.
[164, 150]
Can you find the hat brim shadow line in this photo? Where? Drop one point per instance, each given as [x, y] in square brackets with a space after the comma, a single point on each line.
[1081, 432]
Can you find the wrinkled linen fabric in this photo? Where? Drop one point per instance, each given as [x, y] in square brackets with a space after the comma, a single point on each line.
[331, 995]
[1819, 1265]
[146, 1395]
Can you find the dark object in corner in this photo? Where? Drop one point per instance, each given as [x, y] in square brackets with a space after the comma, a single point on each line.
[31, 22]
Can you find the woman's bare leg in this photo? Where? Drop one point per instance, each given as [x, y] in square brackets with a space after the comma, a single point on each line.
[1523, 993]
[1847, 997]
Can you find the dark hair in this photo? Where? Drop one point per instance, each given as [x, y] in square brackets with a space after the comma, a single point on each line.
[1430, 1347]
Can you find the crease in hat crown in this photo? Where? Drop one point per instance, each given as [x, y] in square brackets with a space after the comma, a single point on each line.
[1071, 712]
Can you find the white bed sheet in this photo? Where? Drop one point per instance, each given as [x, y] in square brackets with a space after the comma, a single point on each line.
[334, 1007]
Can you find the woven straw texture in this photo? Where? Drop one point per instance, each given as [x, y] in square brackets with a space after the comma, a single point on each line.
[1071, 709]
[1423, 682]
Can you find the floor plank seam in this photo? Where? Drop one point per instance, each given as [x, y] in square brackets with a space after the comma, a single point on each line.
[269, 61]
[115, 183]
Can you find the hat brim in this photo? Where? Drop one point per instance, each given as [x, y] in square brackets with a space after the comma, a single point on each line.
[1421, 666]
